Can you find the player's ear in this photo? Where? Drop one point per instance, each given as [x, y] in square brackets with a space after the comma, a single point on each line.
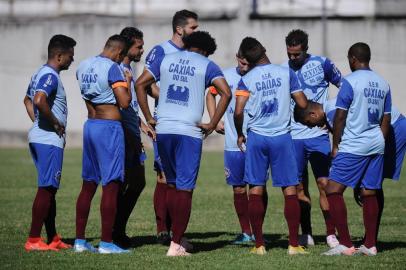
[179, 30]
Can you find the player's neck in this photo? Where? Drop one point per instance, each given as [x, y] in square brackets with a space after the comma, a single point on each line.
[264, 60]
[53, 64]
[126, 61]
[177, 40]
[360, 66]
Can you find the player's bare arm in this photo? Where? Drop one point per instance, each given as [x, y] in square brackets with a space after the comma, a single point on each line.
[225, 96]
[141, 85]
[240, 103]
[300, 99]
[41, 102]
[211, 107]
[385, 124]
[147, 130]
[338, 128]
[29, 108]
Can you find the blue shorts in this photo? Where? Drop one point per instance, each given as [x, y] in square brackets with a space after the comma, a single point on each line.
[234, 162]
[354, 170]
[317, 151]
[180, 156]
[276, 152]
[103, 151]
[395, 148]
[48, 161]
[157, 159]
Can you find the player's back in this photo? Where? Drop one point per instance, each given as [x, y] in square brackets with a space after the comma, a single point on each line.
[47, 80]
[184, 76]
[270, 88]
[96, 76]
[370, 95]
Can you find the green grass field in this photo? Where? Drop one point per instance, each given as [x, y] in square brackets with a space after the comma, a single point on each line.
[212, 226]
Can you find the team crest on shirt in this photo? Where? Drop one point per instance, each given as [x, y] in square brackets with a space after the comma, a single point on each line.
[373, 115]
[311, 74]
[178, 95]
[227, 172]
[269, 107]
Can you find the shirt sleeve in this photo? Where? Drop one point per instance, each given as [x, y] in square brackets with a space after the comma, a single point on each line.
[388, 103]
[155, 66]
[242, 89]
[116, 77]
[294, 82]
[213, 72]
[156, 53]
[48, 83]
[345, 95]
[332, 73]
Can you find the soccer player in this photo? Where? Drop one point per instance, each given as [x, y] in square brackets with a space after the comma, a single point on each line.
[234, 159]
[134, 176]
[315, 73]
[104, 89]
[183, 77]
[266, 90]
[395, 145]
[184, 22]
[361, 124]
[45, 102]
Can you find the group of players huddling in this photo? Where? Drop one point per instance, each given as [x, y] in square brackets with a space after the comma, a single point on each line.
[276, 117]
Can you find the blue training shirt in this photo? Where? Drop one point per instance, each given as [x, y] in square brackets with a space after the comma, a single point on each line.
[183, 77]
[314, 78]
[97, 77]
[269, 88]
[366, 96]
[47, 80]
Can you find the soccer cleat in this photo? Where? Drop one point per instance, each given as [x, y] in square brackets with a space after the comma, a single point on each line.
[110, 248]
[176, 250]
[243, 238]
[332, 240]
[163, 238]
[306, 240]
[258, 250]
[363, 250]
[184, 242]
[37, 243]
[81, 245]
[340, 250]
[58, 244]
[299, 250]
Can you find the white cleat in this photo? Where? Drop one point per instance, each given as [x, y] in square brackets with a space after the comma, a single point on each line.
[363, 250]
[340, 250]
[176, 250]
[306, 240]
[332, 241]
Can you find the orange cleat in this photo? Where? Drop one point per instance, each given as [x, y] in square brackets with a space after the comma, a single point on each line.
[58, 244]
[37, 243]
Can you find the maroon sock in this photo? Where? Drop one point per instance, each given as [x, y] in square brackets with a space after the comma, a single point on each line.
[381, 203]
[50, 219]
[160, 207]
[370, 212]
[305, 217]
[40, 209]
[83, 207]
[292, 216]
[171, 201]
[338, 212]
[241, 208]
[328, 220]
[183, 209]
[256, 214]
[108, 209]
[265, 201]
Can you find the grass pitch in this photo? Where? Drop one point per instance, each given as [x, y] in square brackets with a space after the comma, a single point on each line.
[213, 224]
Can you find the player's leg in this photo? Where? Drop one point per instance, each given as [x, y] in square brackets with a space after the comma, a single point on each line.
[91, 178]
[110, 155]
[256, 175]
[234, 171]
[48, 161]
[163, 221]
[130, 190]
[284, 175]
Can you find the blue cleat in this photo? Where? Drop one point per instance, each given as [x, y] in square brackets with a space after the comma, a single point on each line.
[243, 239]
[81, 245]
[108, 248]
